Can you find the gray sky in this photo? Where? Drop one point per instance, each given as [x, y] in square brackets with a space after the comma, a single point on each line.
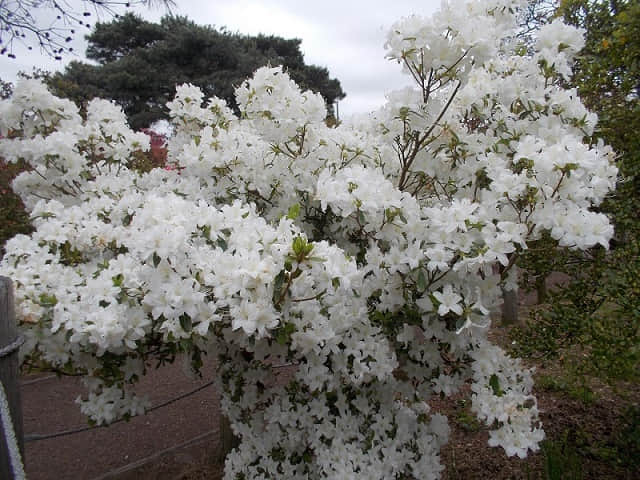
[347, 37]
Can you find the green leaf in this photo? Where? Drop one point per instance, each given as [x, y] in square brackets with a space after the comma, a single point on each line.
[422, 281]
[206, 231]
[301, 247]
[283, 335]
[294, 211]
[390, 213]
[48, 300]
[118, 280]
[185, 322]
[298, 245]
[434, 301]
[494, 383]
[278, 282]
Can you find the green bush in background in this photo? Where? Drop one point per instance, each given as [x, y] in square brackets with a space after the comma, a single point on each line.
[598, 308]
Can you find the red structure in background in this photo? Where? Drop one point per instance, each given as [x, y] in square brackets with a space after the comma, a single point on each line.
[158, 151]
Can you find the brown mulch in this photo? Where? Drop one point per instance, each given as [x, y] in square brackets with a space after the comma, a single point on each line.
[583, 430]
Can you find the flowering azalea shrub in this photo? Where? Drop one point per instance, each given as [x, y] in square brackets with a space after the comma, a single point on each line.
[368, 256]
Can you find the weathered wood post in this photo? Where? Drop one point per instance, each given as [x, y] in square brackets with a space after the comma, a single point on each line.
[9, 344]
[509, 307]
[541, 288]
[228, 441]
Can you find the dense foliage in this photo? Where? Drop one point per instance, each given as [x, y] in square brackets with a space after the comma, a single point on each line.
[368, 256]
[599, 307]
[140, 63]
[15, 219]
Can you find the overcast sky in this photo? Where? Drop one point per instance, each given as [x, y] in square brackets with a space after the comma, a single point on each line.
[345, 36]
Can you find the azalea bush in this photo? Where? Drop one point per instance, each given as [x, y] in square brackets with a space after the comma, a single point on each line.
[368, 257]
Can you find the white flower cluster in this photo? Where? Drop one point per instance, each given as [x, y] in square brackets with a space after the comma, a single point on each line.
[62, 150]
[558, 43]
[276, 107]
[459, 35]
[368, 257]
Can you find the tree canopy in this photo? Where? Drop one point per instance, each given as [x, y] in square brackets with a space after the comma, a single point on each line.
[607, 76]
[139, 63]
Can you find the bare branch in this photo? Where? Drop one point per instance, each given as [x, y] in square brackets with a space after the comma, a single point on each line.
[19, 25]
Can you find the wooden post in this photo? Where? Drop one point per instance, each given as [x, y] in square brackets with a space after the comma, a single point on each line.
[541, 288]
[228, 441]
[509, 307]
[9, 373]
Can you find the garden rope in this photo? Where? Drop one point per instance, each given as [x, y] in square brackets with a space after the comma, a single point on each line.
[24, 383]
[116, 473]
[34, 437]
[12, 347]
[10, 437]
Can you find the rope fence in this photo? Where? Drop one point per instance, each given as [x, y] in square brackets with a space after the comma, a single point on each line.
[11, 441]
[24, 383]
[114, 474]
[12, 347]
[12, 449]
[35, 437]
[11, 436]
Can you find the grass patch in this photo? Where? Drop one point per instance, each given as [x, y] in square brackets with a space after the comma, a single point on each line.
[561, 459]
[465, 418]
[572, 385]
